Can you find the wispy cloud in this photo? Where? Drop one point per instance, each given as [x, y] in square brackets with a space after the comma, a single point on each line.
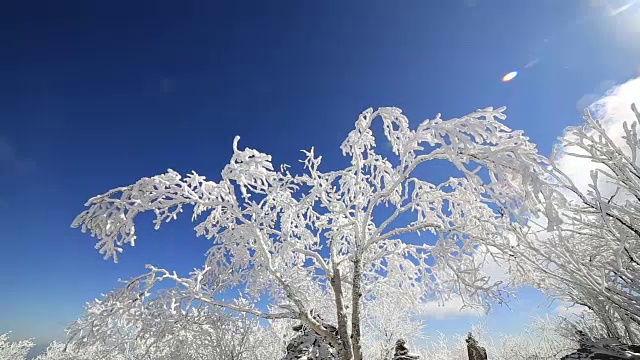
[531, 63]
[452, 308]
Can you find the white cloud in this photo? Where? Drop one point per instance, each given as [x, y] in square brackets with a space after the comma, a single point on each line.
[612, 111]
[495, 270]
[615, 107]
[585, 101]
[452, 308]
[569, 309]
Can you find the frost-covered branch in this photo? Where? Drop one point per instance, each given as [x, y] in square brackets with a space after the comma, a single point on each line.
[584, 252]
[298, 239]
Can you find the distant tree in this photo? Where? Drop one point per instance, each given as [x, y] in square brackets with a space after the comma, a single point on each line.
[386, 319]
[144, 327]
[14, 350]
[296, 240]
[59, 351]
[588, 252]
[540, 340]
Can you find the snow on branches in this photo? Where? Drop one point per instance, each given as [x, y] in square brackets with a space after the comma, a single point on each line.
[157, 327]
[298, 239]
[588, 253]
[14, 350]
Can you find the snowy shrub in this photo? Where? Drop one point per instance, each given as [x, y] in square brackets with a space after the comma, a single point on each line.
[14, 350]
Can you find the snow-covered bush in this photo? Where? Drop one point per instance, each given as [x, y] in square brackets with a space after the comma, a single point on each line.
[59, 351]
[151, 328]
[541, 340]
[14, 350]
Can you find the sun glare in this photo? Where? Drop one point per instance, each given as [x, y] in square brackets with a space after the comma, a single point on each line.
[510, 76]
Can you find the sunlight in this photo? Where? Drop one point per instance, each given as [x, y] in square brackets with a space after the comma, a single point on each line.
[626, 19]
[613, 11]
[510, 76]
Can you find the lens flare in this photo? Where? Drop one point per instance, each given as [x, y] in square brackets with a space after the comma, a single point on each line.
[509, 76]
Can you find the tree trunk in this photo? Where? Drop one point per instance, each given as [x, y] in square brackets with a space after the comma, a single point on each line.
[343, 331]
[355, 304]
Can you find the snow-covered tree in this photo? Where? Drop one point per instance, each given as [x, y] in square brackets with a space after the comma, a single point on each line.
[296, 240]
[589, 252]
[541, 340]
[386, 319]
[144, 327]
[60, 351]
[14, 350]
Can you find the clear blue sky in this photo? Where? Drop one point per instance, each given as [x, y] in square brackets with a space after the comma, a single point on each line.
[95, 95]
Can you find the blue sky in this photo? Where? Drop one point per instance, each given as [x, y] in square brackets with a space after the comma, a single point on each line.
[95, 95]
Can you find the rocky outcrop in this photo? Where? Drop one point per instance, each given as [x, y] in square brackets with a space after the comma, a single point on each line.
[475, 351]
[308, 345]
[608, 349]
[402, 352]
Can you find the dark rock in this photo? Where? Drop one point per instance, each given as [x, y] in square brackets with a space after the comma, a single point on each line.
[308, 345]
[402, 352]
[475, 351]
[604, 349]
